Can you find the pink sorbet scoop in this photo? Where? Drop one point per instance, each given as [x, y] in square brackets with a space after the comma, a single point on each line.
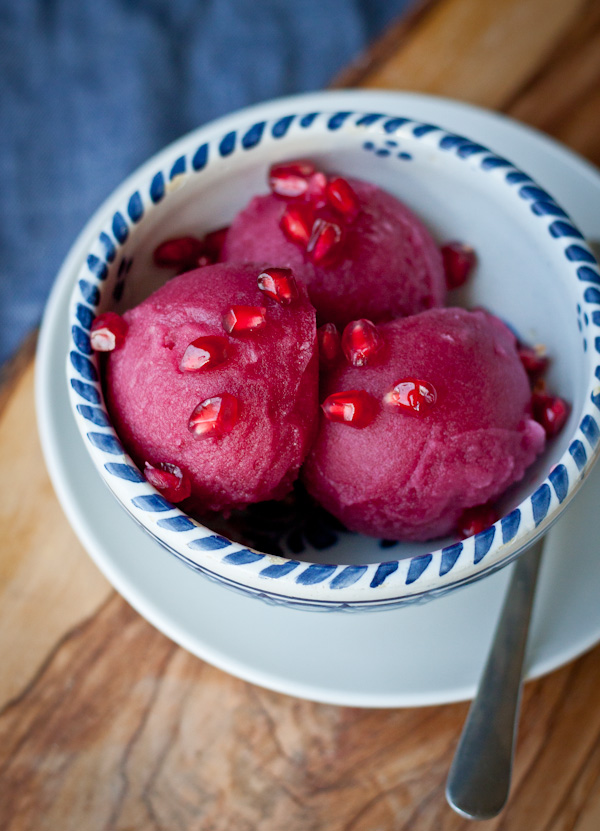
[219, 378]
[443, 424]
[387, 266]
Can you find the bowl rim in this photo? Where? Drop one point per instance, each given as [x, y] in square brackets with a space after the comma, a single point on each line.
[389, 582]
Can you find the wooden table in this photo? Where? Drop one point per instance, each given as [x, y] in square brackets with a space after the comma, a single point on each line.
[106, 724]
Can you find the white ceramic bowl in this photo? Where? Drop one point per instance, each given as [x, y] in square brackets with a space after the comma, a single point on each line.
[534, 271]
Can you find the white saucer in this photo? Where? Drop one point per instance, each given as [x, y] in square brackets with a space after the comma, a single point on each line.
[413, 656]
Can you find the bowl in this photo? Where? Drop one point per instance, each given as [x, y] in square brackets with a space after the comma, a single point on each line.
[534, 271]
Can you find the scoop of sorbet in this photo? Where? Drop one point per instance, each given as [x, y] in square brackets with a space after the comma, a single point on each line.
[219, 379]
[457, 440]
[388, 266]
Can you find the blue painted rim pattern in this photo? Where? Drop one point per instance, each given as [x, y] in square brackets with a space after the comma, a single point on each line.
[290, 581]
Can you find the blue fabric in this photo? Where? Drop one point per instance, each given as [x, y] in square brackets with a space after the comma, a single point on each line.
[91, 88]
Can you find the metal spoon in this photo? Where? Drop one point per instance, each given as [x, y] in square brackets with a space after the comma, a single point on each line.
[479, 778]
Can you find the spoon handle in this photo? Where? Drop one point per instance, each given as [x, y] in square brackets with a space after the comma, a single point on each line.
[479, 778]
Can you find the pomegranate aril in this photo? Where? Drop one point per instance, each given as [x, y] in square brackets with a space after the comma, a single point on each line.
[107, 332]
[361, 342]
[169, 480]
[290, 180]
[279, 284]
[459, 260]
[180, 252]
[326, 242]
[343, 199]
[550, 411]
[357, 408]
[474, 520]
[316, 193]
[213, 244]
[411, 395]
[330, 344]
[240, 319]
[214, 417]
[297, 223]
[205, 353]
[202, 260]
[534, 359]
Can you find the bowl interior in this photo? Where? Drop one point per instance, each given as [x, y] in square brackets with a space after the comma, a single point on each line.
[521, 273]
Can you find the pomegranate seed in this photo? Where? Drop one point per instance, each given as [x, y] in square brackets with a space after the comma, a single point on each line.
[205, 353]
[213, 244]
[182, 253]
[290, 180]
[326, 242]
[342, 198]
[412, 395]
[240, 319]
[550, 411]
[316, 193]
[354, 407]
[297, 222]
[203, 260]
[361, 342]
[279, 284]
[169, 480]
[214, 417]
[534, 359]
[459, 260]
[330, 345]
[477, 519]
[107, 332]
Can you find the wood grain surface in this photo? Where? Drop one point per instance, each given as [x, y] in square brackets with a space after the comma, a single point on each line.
[106, 724]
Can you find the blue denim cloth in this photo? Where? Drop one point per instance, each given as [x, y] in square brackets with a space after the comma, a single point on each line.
[91, 88]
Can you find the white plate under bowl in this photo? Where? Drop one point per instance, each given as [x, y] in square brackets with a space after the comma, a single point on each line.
[412, 656]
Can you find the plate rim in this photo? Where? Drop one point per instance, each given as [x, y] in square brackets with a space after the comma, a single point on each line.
[140, 603]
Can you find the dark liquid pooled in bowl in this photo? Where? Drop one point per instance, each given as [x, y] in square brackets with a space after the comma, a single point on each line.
[285, 527]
